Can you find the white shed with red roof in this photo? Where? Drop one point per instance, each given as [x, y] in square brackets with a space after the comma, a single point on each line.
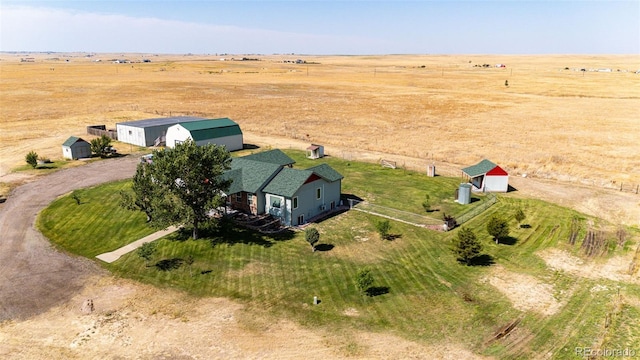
[486, 176]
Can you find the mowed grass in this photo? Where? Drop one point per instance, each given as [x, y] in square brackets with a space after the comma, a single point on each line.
[97, 225]
[423, 294]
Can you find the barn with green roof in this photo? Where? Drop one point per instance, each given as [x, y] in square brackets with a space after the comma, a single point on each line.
[222, 131]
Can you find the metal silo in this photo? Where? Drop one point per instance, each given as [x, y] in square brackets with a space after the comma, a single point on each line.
[464, 194]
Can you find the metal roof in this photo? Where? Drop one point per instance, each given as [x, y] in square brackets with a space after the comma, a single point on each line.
[161, 121]
[275, 156]
[72, 140]
[480, 168]
[212, 128]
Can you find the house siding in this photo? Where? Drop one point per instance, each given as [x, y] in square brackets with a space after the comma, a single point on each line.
[78, 150]
[496, 183]
[179, 133]
[308, 203]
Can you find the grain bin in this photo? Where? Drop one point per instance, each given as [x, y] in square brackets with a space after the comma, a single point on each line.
[464, 193]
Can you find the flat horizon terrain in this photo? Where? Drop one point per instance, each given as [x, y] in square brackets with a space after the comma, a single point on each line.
[552, 121]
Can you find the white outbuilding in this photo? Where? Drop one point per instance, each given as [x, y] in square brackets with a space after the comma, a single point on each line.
[149, 132]
[486, 176]
[222, 131]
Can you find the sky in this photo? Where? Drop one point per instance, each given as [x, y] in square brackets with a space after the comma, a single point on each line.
[322, 27]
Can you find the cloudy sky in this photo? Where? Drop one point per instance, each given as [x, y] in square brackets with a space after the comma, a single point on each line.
[322, 27]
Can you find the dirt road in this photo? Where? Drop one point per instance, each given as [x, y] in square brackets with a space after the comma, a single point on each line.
[34, 276]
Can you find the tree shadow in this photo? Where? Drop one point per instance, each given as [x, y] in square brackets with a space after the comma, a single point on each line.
[392, 237]
[324, 247]
[169, 264]
[525, 226]
[508, 240]
[482, 260]
[230, 233]
[204, 272]
[250, 146]
[377, 291]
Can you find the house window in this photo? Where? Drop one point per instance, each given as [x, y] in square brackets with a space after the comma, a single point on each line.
[239, 197]
[249, 200]
[276, 203]
[295, 202]
[130, 132]
[318, 193]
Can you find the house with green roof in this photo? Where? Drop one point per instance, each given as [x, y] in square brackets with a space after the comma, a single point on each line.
[486, 176]
[222, 131]
[76, 148]
[266, 183]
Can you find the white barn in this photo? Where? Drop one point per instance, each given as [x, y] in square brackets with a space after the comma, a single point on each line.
[223, 131]
[486, 176]
[146, 132]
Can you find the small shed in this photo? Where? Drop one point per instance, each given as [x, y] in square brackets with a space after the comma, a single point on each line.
[76, 148]
[315, 151]
[223, 131]
[486, 176]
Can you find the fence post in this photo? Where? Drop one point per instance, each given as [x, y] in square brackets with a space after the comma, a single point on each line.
[637, 188]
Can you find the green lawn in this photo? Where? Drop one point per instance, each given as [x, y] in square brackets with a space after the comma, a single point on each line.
[423, 293]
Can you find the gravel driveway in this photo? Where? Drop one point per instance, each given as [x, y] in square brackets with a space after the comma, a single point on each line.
[33, 275]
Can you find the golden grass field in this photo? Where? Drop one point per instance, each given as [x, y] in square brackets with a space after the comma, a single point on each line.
[549, 122]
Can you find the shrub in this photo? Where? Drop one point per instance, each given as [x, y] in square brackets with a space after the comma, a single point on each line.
[32, 159]
[383, 227]
[467, 246]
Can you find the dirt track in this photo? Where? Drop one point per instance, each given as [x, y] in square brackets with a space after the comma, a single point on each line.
[33, 276]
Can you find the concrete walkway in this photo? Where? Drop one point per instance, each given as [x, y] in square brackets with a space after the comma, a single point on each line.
[116, 254]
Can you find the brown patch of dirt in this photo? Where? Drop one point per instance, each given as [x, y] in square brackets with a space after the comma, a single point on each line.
[525, 292]
[615, 268]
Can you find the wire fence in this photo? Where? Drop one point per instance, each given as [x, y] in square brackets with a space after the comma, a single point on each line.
[394, 214]
[489, 201]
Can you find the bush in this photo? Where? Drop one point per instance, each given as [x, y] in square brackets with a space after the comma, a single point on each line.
[312, 236]
[364, 280]
[383, 227]
[32, 159]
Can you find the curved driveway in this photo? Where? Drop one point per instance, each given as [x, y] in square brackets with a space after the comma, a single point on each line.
[34, 276]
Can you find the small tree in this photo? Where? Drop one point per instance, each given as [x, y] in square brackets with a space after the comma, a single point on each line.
[364, 280]
[100, 145]
[146, 251]
[143, 192]
[426, 204]
[520, 215]
[312, 236]
[383, 227]
[76, 198]
[498, 228]
[466, 246]
[32, 159]
[190, 260]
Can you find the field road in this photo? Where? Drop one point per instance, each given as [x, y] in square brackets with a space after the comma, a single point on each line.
[33, 275]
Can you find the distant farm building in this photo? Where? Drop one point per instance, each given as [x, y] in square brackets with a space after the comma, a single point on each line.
[149, 132]
[315, 151]
[76, 148]
[486, 176]
[212, 131]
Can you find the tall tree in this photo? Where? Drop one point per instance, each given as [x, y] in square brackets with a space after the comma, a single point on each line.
[143, 191]
[498, 228]
[188, 184]
[466, 246]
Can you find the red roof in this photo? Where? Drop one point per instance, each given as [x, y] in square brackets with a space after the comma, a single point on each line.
[497, 171]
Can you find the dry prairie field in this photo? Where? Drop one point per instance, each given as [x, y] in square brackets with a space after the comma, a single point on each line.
[551, 121]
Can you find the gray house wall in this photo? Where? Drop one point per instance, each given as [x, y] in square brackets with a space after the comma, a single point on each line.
[308, 203]
[78, 150]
